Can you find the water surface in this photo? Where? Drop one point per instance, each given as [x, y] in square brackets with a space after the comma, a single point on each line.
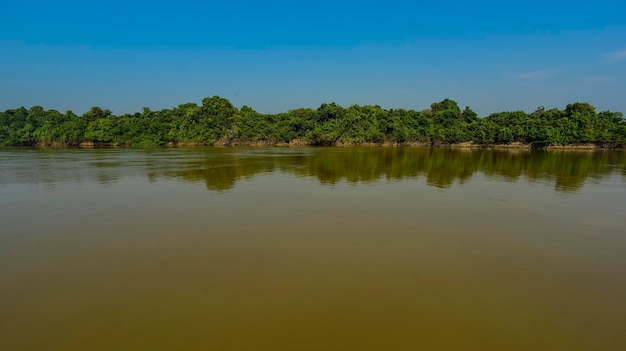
[312, 249]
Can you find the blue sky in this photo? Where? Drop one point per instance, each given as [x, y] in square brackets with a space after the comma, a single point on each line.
[275, 55]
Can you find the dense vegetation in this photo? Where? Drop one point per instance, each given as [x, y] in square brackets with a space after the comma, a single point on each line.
[217, 121]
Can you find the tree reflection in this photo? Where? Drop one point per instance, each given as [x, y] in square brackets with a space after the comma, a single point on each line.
[220, 168]
[441, 167]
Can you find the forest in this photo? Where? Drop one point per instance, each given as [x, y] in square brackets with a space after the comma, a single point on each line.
[217, 122]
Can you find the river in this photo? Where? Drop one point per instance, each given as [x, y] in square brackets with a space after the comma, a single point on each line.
[312, 249]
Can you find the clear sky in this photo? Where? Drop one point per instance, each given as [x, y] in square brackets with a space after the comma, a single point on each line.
[279, 55]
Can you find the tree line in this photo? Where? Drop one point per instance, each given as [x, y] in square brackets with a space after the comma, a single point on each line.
[217, 121]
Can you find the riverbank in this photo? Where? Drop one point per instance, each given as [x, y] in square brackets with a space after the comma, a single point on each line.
[300, 143]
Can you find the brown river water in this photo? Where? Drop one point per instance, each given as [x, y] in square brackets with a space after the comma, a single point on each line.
[312, 249]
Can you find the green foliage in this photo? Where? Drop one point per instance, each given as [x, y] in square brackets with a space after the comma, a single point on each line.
[217, 120]
[445, 105]
[469, 115]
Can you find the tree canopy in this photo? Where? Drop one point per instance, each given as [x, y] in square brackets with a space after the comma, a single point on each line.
[217, 121]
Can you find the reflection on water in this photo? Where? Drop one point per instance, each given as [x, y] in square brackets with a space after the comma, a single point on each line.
[220, 168]
[312, 249]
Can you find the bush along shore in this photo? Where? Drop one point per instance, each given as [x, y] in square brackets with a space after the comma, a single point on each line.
[217, 122]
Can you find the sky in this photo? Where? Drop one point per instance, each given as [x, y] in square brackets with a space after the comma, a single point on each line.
[276, 55]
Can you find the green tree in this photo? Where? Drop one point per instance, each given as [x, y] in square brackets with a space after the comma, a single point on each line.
[445, 105]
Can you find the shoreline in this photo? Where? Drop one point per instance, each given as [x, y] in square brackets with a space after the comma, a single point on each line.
[299, 143]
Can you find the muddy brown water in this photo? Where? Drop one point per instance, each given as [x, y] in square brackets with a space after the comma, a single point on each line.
[312, 249]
